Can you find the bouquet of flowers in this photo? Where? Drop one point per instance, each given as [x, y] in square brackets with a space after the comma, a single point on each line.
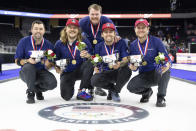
[50, 55]
[96, 60]
[160, 61]
[80, 45]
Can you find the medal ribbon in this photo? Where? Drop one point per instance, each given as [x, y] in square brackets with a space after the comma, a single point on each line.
[145, 48]
[33, 44]
[111, 52]
[93, 31]
[73, 53]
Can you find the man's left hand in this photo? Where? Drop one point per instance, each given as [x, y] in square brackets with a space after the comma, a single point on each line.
[84, 54]
[165, 68]
[116, 39]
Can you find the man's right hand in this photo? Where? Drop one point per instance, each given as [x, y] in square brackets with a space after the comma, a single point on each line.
[31, 60]
[132, 67]
[58, 70]
[96, 69]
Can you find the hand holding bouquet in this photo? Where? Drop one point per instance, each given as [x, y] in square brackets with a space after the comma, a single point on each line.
[160, 61]
[96, 60]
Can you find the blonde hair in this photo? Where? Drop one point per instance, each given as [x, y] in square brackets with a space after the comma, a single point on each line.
[64, 37]
[95, 7]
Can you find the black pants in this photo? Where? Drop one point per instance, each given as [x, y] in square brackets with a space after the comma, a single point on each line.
[37, 80]
[107, 79]
[68, 79]
[143, 81]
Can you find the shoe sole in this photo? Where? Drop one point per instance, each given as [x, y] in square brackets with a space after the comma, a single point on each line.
[78, 98]
[40, 99]
[158, 105]
[148, 98]
[30, 102]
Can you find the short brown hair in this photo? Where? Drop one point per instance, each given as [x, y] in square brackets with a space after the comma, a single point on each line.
[95, 7]
[37, 22]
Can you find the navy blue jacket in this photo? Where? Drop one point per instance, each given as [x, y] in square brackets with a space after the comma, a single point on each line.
[25, 45]
[62, 52]
[155, 46]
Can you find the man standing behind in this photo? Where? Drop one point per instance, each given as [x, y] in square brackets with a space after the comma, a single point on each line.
[34, 73]
[91, 27]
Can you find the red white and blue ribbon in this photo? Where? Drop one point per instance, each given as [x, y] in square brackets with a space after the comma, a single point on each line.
[111, 51]
[72, 52]
[93, 31]
[143, 52]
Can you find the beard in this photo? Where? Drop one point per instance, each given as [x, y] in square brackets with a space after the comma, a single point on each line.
[37, 36]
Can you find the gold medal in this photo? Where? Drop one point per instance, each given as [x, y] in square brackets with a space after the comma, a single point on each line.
[94, 41]
[73, 62]
[144, 63]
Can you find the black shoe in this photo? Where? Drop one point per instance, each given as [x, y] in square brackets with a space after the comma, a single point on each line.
[100, 92]
[30, 97]
[109, 97]
[39, 96]
[146, 96]
[91, 92]
[161, 102]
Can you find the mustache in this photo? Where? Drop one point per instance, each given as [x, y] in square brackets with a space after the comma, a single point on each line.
[37, 33]
[72, 32]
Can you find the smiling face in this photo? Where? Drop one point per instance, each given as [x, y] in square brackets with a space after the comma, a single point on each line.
[38, 31]
[141, 30]
[95, 16]
[72, 31]
[108, 36]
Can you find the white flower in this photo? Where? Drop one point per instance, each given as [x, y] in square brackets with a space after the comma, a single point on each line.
[82, 43]
[96, 59]
[162, 56]
[50, 52]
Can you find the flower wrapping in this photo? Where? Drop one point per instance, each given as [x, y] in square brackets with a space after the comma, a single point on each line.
[50, 55]
[160, 61]
[80, 45]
